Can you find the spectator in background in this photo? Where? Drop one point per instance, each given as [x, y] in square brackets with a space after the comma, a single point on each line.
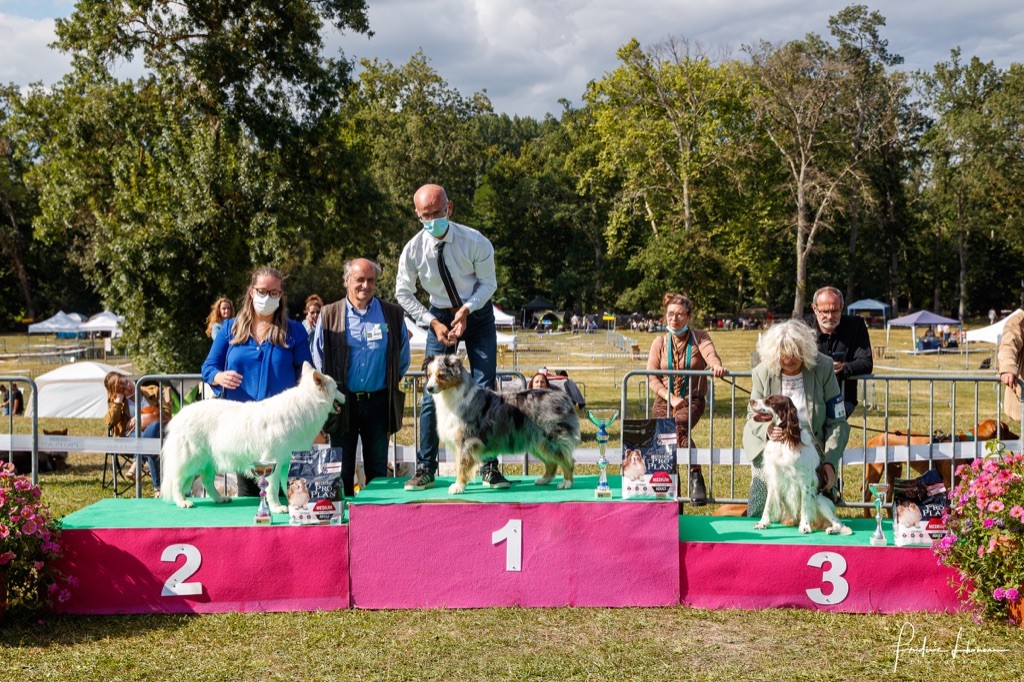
[260, 352]
[222, 309]
[843, 338]
[123, 415]
[13, 399]
[311, 313]
[539, 380]
[1010, 361]
[682, 398]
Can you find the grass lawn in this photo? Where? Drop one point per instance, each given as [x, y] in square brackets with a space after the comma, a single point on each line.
[510, 644]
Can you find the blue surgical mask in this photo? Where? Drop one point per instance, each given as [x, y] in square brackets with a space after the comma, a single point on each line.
[677, 332]
[436, 227]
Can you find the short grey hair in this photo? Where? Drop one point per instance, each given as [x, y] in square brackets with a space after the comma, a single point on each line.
[349, 264]
[792, 338]
[832, 291]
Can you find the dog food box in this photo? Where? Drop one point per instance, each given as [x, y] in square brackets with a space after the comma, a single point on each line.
[649, 459]
[918, 505]
[315, 496]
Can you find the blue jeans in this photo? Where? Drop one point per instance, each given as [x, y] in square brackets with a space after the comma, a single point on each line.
[153, 431]
[368, 422]
[482, 351]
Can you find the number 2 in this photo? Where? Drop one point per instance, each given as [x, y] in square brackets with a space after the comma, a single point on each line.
[176, 585]
[512, 534]
[833, 576]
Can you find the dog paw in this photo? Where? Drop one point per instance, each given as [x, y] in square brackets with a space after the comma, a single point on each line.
[221, 500]
[760, 525]
[542, 480]
[184, 504]
[565, 485]
[805, 528]
[456, 489]
[278, 509]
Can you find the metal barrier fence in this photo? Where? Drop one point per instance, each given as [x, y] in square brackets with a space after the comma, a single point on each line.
[10, 444]
[922, 410]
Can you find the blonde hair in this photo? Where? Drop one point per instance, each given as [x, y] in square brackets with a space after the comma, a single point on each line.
[214, 316]
[112, 382]
[792, 338]
[241, 333]
[672, 298]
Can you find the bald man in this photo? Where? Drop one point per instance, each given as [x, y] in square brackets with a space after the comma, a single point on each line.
[361, 342]
[455, 266]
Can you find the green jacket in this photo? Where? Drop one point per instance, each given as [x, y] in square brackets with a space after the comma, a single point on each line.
[820, 386]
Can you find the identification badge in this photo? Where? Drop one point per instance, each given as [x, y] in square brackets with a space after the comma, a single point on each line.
[836, 408]
[374, 332]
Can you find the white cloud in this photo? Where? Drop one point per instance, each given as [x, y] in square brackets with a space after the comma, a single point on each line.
[25, 57]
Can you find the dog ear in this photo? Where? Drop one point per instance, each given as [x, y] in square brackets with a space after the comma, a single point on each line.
[426, 363]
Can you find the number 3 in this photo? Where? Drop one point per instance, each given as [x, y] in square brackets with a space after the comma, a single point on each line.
[833, 576]
[176, 585]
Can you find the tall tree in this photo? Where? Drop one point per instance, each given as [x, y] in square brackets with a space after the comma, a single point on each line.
[169, 188]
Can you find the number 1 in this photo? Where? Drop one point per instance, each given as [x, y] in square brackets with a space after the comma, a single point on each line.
[512, 534]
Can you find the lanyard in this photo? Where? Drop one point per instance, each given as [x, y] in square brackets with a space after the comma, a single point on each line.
[689, 354]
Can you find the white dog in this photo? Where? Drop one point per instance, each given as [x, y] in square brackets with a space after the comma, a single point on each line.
[789, 472]
[215, 436]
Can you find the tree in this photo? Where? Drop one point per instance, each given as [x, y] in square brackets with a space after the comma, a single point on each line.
[168, 189]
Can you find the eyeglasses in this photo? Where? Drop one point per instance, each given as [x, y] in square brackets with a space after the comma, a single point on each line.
[675, 314]
[272, 293]
[828, 311]
[433, 215]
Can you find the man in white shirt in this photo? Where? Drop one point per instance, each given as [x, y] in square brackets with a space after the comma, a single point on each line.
[455, 266]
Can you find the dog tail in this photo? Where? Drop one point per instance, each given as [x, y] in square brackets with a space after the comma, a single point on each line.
[170, 469]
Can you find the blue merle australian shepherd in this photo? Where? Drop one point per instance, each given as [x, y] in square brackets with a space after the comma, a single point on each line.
[479, 424]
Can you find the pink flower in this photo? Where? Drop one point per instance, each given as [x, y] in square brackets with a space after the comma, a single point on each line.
[63, 596]
[989, 523]
[999, 594]
[1012, 594]
[981, 550]
[38, 565]
[29, 527]
[1017, 511]
[6, 558]
[996, 506]
[947, 542]
[22, 484]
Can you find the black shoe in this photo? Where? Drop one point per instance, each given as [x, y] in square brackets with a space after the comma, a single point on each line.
[698, 491]
[492, 478]
[421, 481]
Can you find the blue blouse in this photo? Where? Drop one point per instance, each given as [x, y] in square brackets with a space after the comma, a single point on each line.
[266, 369]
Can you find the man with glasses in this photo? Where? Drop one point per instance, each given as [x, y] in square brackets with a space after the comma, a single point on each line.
[844, 338]
[455, 266]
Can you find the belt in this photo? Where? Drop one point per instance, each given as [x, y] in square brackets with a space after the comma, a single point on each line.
[360, 396]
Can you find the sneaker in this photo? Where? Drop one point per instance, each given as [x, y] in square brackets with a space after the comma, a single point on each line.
[421, 481]
[698, 491]
[492, 478]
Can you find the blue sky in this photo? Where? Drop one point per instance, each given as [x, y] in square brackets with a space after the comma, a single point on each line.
[527, 54]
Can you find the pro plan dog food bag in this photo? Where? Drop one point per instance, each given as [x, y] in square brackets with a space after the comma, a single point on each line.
[315, 496]
[918, 505]
[649, 459]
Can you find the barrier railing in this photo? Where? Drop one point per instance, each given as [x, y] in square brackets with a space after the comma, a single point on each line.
[893, 414]
[12, 443]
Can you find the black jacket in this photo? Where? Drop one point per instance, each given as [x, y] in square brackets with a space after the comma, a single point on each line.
[851, 340]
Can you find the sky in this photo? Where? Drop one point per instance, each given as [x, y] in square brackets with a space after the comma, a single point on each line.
[528, 54]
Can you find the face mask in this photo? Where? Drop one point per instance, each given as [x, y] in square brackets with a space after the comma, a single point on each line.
[265, 305]
[677, 332]
[436, 227]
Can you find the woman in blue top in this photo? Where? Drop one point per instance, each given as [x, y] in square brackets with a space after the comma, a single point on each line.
[260, 352]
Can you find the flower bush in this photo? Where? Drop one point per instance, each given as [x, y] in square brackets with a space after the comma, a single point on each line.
[986, 524]
[29, 545]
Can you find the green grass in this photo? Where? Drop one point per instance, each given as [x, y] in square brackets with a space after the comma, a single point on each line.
[503, 644]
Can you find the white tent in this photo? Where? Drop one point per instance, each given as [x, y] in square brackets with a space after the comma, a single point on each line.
[502, 319]
[74, 390]
[104, 322]
[419, 336]
[58, 324]
[992, 333]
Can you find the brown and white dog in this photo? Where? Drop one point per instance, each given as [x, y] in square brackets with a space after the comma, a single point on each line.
[479, 424]
[633, 466]
[789, 472]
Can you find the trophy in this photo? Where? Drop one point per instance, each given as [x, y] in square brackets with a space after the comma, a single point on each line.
[878, 490]
[602, 419]
[263, 469]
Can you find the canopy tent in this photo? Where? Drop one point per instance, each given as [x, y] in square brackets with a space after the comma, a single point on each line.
[992, 333]
[502, 319]
[419, 337]
[104, 322]
[61, 323]
[539, 303]
[922, 318]
[75, 390]
[870, 305]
